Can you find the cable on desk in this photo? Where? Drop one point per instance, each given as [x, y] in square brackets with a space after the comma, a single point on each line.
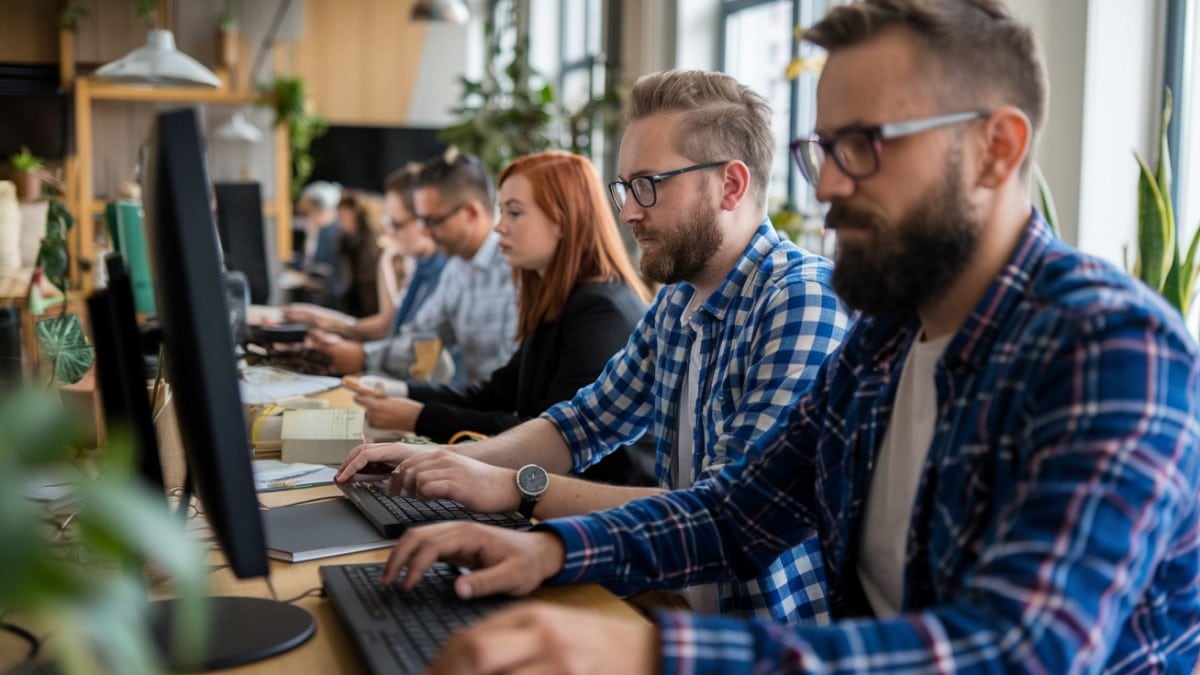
[316, 592]
[35, 645]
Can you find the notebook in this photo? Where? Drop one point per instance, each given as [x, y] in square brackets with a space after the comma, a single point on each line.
[323, 529]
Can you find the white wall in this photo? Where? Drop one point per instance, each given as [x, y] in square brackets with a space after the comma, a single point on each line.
[449, 52]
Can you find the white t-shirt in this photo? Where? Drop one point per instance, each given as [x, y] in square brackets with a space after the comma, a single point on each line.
[703, 598]
[884, 538]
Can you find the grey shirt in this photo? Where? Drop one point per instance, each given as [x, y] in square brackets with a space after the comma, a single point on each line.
[473, 307]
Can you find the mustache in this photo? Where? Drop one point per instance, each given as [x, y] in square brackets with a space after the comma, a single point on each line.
[840, 215]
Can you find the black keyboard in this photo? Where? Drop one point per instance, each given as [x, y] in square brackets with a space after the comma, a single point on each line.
[395, 631]
[393, 515]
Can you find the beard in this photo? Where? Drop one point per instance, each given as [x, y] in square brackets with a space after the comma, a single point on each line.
[897, 268]
[684, 250]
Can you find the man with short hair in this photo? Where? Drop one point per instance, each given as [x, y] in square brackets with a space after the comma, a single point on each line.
[739, 331]
[1001, 462]
[473, 306]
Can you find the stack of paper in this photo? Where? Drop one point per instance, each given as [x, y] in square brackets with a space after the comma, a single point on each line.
[321, 436]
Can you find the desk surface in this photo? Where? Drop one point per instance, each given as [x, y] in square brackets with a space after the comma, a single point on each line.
[330, 649]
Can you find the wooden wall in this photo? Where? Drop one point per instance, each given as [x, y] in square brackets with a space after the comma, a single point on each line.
[360, 59]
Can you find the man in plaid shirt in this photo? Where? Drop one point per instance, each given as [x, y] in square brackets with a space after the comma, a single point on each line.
[1001, 462]
[739, 331]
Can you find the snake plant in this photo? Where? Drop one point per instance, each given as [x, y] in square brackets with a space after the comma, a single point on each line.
[1159, 262]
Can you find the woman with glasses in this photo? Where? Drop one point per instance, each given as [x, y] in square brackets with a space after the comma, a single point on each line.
[578, 300]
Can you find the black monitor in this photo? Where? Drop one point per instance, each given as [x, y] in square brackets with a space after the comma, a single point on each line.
[242, 235]
[121, 370]
[199, 351]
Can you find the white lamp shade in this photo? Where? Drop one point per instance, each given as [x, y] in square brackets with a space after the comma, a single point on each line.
[158, 62]
[453, 11]
[238, 130]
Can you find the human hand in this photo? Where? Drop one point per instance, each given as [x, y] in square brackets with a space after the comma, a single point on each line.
[345, 356]
[502, 560]
[299, 312]
[542, 638]
[367, 461]
[442, 473]
[390, 413]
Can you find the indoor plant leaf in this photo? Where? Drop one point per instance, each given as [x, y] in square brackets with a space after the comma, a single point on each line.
[62, 343]
[1156, 243]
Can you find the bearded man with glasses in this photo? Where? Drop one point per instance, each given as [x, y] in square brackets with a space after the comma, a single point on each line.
[1002, 462]
[740, 330]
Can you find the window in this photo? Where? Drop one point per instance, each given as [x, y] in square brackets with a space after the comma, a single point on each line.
[758, 40]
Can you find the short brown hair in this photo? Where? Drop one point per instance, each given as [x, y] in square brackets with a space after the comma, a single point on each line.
[402, 181]
[457, 175]
[722, 119]
[568, 190]
[980, 55]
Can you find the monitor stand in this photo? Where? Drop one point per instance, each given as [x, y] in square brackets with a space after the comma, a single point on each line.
[240, 631]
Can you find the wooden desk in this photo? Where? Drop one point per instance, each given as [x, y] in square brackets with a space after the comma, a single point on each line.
[330, 650]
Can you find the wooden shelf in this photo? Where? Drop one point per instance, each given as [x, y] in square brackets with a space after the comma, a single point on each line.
[124, 92]
[80, 195]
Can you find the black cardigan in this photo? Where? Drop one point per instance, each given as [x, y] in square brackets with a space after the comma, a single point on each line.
[549, 367]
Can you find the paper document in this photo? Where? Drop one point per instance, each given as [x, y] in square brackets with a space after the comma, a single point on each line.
[271, 475]
[264, 384]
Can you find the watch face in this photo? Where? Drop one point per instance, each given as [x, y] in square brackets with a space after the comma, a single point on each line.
[532, 480]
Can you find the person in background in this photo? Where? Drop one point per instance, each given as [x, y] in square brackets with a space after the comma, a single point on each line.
[472, 309]
[412, 259]
[1002, 462]
[738, 332]
[358, 252]
[578, 298]
[318, 207]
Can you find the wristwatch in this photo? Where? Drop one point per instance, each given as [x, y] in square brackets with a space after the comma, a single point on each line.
[531, 483]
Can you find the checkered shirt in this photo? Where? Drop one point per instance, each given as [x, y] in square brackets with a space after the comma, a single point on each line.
[763, 335]
[1055, 528]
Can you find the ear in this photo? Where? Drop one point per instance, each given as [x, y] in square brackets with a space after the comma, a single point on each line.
[1007, 134]
[736, 176]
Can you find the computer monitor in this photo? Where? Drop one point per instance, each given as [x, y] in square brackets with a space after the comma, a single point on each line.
[120, 368]
[242, 235]
[199, 351]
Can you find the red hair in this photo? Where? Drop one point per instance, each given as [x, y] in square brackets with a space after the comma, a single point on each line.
[568, 190]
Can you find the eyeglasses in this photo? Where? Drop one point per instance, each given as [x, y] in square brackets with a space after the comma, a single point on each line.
[857, 150]
[434, 221]
[643, 187]
[393, 225]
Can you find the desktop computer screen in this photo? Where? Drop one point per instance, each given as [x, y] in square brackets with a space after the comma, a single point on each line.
[200, 366]
[120, 368]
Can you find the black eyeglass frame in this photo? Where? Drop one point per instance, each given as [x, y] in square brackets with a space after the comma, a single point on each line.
[626, 186]
[875, 135]
[431, 222]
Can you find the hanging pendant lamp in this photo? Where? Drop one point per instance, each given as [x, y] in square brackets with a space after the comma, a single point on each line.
[159, 63]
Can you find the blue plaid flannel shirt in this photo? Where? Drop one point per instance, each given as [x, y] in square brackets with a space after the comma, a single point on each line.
[764, 333]
[1055, 529]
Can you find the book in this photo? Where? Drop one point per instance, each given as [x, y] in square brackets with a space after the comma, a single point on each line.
[320, 436]
[303, 532]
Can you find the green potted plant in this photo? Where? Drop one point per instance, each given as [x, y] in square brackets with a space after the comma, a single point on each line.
[227, 37]
[1158, 261]
[505, 114]
[292, 108]
[27, 174]
[75, 579]
[60, 338]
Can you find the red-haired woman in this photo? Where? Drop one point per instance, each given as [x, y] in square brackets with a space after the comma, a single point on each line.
[578, 298]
